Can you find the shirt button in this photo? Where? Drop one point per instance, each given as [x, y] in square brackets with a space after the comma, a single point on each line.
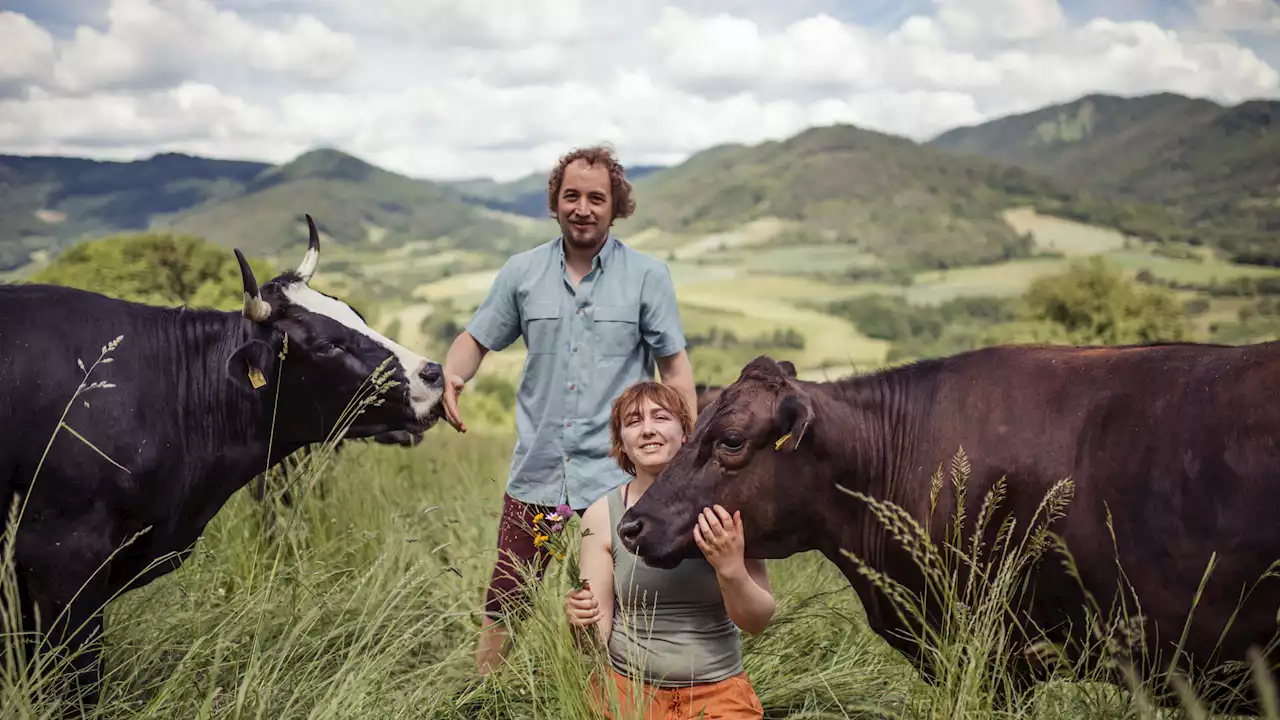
[571, 386]
[568, 423]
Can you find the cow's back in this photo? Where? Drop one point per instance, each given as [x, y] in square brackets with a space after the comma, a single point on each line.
[1180, 444]
[37, 375]
[45, 333]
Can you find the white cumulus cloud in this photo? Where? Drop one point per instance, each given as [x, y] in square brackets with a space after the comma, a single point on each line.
[445, 89]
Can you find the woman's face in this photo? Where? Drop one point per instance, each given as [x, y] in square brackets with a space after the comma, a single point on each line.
[651, 435]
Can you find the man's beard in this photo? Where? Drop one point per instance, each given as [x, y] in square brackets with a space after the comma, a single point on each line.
[591, 235]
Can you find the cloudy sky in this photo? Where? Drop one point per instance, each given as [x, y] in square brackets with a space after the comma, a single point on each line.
[464, 88]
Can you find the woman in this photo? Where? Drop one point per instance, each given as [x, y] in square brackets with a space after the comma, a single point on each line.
[674, 632]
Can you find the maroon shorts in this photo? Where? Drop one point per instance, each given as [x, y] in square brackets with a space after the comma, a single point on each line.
[515, 544]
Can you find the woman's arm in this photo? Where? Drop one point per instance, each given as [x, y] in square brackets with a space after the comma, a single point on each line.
[747, 595]
[744, 584]
[595, 606]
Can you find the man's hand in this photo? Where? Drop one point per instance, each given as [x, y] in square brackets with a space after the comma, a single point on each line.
[453, 387]
[460, 365]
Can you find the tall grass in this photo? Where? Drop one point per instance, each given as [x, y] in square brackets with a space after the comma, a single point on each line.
[362, 601]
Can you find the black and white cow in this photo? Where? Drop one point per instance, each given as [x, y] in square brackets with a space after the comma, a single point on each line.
[186, 409]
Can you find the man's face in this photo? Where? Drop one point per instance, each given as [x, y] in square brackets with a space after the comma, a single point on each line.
[585, 208]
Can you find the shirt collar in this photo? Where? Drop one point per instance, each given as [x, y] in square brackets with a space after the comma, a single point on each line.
[601, 260]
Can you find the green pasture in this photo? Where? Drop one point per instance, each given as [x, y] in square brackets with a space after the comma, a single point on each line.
[1068, 237]
[828, 258]
[364, 603]
[1188, 271]
[1005, 279]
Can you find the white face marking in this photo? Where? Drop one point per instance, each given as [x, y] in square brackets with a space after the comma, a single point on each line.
[422, 398]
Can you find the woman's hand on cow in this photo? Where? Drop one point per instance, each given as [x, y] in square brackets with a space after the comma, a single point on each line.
[581, 608]
[719, 537]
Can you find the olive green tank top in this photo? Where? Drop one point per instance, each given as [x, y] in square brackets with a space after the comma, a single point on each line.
[670, 627]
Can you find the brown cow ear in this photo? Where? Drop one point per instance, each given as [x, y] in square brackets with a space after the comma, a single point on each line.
[794, 415]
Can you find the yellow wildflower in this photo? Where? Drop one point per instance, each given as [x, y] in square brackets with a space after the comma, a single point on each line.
[537, 518]
[537, 541]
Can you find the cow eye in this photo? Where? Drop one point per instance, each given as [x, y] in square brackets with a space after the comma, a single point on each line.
[324, 348]
[733, 442]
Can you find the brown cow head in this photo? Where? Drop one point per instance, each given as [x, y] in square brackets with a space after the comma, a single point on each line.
[745, 454]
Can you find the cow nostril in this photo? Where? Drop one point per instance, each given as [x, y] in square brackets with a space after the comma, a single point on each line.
[432, 373]
[629, 531]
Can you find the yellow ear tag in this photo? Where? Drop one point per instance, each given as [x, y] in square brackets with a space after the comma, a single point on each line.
[255, 377]
[778, 445]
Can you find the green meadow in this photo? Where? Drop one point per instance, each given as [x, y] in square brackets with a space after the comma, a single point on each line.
[362, 601]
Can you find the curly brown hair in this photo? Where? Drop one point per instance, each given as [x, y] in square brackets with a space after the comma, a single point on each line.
[664, 396]
[619, 186]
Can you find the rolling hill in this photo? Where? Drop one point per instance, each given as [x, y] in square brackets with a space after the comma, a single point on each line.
[880, 194]
[356, 203]
[1162, 167]
[49, 203]
[1177, 168]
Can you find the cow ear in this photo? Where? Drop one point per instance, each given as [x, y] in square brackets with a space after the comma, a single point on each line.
[248, 365]
[788, 368]
[792, 419]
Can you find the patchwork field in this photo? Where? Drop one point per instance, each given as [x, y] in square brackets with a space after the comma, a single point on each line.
[741, 283]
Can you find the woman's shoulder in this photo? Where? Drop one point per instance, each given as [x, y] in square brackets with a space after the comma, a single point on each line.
[596, 517]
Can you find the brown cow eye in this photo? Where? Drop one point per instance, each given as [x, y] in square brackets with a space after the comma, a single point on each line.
[732, 442]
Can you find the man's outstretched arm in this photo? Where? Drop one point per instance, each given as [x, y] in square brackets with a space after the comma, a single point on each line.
[495, 325]
[677, 372]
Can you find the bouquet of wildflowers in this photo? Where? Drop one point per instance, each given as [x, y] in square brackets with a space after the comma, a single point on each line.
[548, 533]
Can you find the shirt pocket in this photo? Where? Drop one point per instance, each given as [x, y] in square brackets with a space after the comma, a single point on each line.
[617, 329]
[542, 327]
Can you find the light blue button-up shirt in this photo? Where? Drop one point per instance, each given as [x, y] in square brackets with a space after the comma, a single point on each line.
[585, 347]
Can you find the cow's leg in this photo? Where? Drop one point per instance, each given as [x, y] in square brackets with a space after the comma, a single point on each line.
[66, 576]
[71, 624]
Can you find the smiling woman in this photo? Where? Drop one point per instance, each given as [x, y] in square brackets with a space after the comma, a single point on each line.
[672, 635]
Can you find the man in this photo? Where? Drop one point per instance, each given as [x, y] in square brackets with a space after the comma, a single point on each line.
[595, 316]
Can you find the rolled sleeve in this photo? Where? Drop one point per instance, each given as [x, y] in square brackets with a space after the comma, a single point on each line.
[496, 323]
[660, 314]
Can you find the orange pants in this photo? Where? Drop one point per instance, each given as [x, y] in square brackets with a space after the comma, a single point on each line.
[730, 699]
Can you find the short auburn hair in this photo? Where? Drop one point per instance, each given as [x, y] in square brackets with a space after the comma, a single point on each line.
[619, 186]
[664, 396]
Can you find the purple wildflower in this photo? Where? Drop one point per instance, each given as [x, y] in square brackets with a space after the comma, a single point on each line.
[564, 511]
[557, 527]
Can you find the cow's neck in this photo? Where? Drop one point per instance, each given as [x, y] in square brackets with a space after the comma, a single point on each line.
[878, 420]
[223, 426]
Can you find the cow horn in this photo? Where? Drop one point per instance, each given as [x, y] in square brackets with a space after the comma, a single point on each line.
[255, 308]
[308, 266]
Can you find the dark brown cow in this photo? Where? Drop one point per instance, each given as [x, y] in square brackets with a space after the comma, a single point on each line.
[1178, 443]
